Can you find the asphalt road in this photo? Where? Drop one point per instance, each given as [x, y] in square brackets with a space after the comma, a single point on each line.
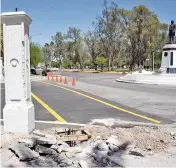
[109, 80]
[157, 100]
[74, 107]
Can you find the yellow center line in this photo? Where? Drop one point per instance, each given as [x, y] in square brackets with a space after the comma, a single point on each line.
[107, 104]
[48, 108]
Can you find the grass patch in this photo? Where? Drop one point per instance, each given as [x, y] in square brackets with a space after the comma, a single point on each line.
[75, 71]
[96, 72]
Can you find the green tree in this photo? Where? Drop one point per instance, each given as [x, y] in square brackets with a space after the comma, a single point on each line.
[60, 46]
[101, 61]
[89, 63]
[141, 29]
[109, 30]
[93, 42]
[46, 55]
[35, 54]
[67, 64]
[74, 35]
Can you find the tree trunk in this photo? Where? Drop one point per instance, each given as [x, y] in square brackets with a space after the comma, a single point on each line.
[102, 66]
[95, 66]
[112, 63]
[81, 66]
[131, 65]
[109, 64]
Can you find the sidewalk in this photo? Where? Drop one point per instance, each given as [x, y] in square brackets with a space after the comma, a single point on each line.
[37, 77]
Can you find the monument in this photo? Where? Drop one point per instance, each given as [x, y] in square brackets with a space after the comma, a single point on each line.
[172, 28]
[18, 112]
[168, 62]
[167, 71]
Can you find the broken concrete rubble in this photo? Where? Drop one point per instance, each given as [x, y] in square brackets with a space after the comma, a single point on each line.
[113, 148]
[38, 133]
[113, 140]
[104, 151]
[102, 146]
[47, 140]
[23, 152]
[83, 164]
[135, 153]
[28, 142]
[44, 150]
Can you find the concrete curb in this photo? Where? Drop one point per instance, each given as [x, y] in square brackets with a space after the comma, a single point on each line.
[145, 83]
[124, 124]
[119, 124]
[97, 72]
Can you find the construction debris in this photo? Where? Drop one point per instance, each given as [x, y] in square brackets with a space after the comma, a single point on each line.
[87, 147]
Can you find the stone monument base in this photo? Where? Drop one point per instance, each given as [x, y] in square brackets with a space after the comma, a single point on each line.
[19, 118]
[154, 79]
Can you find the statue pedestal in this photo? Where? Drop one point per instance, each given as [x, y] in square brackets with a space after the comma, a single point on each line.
[168, 62]
[19, 110]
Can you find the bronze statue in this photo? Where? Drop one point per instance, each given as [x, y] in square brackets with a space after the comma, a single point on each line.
[172, 28]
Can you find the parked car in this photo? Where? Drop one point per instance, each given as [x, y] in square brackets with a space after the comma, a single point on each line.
[33, 71]
[44, 72]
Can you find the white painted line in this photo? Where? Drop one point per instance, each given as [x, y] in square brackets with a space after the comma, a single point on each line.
[57, 122]
[96, 122]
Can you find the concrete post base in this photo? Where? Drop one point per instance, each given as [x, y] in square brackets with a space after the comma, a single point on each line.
[19, 118]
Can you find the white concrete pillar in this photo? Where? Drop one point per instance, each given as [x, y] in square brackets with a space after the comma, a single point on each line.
[19, 110]
[1, 70]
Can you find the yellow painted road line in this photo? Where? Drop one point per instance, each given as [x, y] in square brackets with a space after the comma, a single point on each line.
[107, 104]
[48, 108]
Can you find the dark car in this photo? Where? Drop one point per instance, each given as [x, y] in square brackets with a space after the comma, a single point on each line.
[33, 71]
[44, 72]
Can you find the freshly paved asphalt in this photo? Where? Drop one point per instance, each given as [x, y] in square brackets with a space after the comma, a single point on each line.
[78, 109]
[153, 99]
[72, 107]
[109, 80]
[75, 108]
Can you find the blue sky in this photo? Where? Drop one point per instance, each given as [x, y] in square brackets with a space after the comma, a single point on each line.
[50, 16]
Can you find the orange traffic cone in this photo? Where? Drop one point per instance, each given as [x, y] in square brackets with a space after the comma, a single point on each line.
[73, 82]
[52, 78]
[48, 77]
[57, 79]
[60, 79]
[65, 81]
